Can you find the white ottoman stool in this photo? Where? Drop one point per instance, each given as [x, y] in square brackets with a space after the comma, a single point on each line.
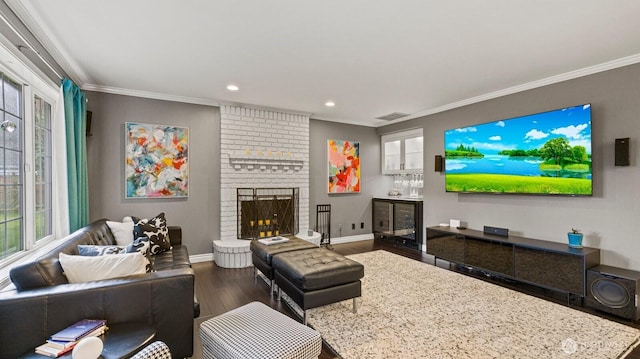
[257, 331]
[233, 253]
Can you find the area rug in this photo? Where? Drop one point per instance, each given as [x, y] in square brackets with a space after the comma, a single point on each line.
[411, 309]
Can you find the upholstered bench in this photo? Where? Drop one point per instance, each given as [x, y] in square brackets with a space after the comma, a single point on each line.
[316, 277]
[262, 255]
[257, 331]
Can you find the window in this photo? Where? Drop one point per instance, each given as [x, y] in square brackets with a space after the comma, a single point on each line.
[26, 180]
[402, 152]
[42, 168]
[11, 178]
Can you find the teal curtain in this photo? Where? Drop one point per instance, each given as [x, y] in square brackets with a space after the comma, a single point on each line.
[75, 113]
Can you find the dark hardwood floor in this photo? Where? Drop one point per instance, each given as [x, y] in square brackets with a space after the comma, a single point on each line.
[221, 289]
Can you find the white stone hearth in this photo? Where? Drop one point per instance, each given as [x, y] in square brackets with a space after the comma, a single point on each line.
[233, 253]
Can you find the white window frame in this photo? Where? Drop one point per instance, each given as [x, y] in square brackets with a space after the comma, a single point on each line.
[402, 137]
[34, 83]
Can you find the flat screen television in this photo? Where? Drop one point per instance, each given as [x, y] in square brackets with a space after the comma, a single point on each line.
[546, 153]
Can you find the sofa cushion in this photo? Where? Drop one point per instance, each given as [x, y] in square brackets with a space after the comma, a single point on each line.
[85, 269]
[157, 232]
[177, 257]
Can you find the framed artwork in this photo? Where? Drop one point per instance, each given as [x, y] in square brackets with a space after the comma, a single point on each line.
[156, 161]
[344, 166]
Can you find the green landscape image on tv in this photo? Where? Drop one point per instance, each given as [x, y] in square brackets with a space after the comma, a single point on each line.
[547, 153]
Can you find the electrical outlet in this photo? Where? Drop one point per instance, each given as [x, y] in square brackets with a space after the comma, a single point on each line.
[353, 226]
[361, 224]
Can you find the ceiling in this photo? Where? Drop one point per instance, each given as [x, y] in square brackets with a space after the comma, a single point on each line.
[371, 58]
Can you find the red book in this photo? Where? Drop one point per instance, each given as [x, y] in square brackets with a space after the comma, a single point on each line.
[48, 350]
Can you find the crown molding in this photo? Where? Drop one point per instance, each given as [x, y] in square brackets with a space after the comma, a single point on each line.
[150, 95]
[585, 71]
[24, 11]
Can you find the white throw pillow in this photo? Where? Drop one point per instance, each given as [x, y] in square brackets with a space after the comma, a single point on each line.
[85, 269]
[122, 231]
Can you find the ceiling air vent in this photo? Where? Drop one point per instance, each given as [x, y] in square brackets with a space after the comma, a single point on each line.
[392, 116]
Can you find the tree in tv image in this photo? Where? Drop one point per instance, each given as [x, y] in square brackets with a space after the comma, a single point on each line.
[544, 153]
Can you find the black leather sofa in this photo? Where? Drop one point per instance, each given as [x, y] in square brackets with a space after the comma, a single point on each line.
[44, 302]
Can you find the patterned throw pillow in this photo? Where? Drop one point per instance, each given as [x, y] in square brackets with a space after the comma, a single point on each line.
[156, 230]
[142, 245]
[91, 250]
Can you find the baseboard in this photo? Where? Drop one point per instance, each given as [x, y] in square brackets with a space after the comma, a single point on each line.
[199, 258]
[208, 257]
[355, 238]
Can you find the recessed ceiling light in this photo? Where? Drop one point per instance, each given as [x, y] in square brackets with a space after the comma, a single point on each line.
[233, 88]
[329, 103]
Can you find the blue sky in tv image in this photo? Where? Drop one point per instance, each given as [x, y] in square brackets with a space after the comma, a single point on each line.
[494, 139]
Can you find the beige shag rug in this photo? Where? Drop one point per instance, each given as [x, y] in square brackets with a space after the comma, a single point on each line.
[411, 309]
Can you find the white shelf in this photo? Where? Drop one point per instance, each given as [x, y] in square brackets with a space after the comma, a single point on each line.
[265, 162]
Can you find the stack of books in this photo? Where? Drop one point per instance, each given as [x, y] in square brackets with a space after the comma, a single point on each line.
[64, 340]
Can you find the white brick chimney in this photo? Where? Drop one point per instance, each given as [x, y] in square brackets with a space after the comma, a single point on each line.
[261, 149]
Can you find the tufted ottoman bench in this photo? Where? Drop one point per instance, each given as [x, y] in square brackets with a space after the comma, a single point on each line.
[257, 331]
[262, 254]
[316, 277]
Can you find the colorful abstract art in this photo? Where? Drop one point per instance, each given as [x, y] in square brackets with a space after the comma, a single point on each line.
[344, 166]
[157, 161]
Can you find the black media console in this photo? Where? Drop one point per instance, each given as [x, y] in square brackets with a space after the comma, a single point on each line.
[546, 264]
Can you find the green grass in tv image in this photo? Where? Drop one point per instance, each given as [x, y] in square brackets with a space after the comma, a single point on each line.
[496, 183]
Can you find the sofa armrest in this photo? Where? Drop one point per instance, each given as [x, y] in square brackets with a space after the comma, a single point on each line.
[175, 235]
[164, 300]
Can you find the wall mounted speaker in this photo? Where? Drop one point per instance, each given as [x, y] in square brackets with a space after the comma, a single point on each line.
[622, 151]
[439, 163]
[614, 290]
[89, 115]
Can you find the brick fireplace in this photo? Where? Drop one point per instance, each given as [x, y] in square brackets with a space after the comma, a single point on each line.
[262, 149]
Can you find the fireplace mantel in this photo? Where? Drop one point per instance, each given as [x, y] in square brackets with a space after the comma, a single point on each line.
[276, 161]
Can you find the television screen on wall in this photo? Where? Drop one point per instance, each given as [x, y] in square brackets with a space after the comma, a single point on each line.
[546, 153]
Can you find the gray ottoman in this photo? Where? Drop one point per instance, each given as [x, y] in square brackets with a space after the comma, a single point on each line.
[257, 331]
[262, 255]
[316, 277]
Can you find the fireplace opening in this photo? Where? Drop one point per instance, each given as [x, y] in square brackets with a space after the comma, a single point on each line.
[267, 212]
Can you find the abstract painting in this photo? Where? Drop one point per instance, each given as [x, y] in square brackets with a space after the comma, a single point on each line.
[157, 161]
[344, 166]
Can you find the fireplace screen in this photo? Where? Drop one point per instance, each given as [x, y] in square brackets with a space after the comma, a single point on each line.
[267, 212]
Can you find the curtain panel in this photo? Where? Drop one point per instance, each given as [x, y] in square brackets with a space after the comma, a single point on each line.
[75, 109]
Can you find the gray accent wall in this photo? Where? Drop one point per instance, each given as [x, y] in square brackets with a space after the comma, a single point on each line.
[346, 209]
[609, 219]
[199, 214]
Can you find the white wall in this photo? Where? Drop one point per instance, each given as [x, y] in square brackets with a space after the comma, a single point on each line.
[609, 218]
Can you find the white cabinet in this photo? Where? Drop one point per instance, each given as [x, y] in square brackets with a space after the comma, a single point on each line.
[402, 152]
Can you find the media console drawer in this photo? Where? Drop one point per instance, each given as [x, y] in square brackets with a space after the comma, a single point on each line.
[551, 265]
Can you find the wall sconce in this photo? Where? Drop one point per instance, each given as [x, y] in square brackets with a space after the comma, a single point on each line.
[8, 126]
